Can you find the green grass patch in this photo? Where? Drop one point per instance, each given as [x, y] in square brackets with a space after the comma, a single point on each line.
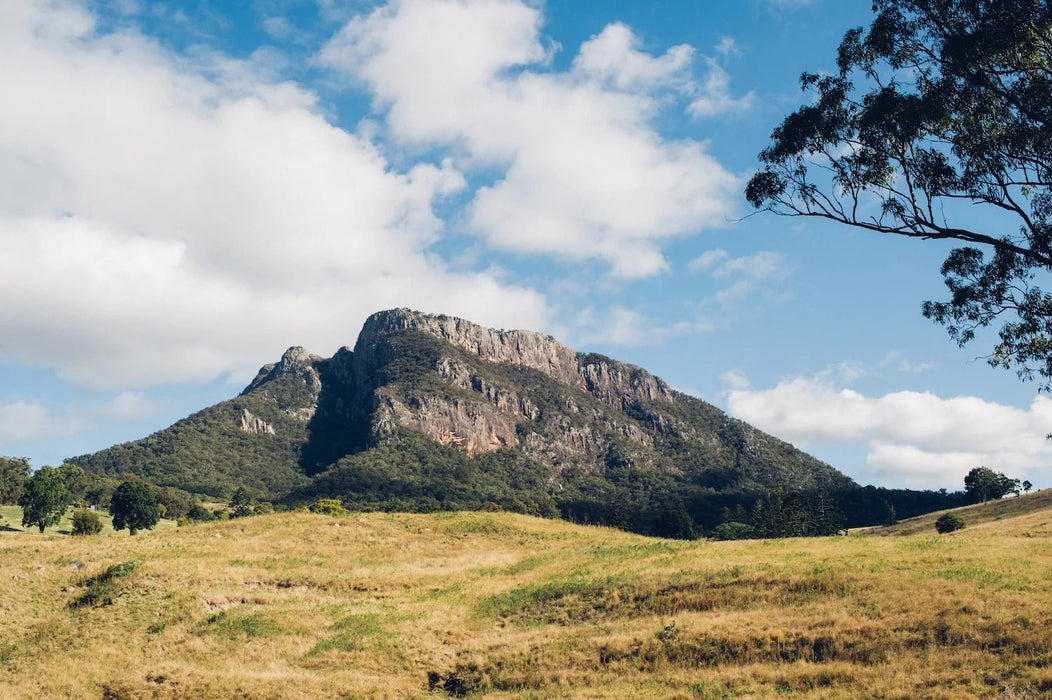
[554, 602]
[103, 589]
[233, 626]
[355, 633]
[971, 574]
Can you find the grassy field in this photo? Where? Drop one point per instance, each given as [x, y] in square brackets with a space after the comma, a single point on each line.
[391, 605]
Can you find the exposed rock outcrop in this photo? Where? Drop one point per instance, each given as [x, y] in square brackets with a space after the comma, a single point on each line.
[253, 424]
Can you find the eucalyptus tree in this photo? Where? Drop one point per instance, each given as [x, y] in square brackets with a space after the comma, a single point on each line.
[937, 105]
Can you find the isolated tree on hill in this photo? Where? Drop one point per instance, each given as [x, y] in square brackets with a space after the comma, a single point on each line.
[44, 499]
[982, 484]
[240, 504]
[134, 506]
[1027, 486]
[13, 474]
[953, 109]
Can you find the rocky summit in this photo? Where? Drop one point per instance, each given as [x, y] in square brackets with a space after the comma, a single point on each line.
[430, 412]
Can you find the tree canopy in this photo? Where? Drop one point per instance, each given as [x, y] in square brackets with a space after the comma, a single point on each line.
[134, 505]
[952, 108]
[984, 484]
[44, 499]
[13, 474]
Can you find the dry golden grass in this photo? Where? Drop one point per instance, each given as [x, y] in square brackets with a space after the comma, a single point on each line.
[392, 605]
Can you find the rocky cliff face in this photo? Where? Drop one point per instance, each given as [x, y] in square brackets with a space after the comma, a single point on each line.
[614, 383]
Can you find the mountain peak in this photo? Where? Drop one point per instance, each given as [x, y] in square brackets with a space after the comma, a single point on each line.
[295, 363]
[438, 391]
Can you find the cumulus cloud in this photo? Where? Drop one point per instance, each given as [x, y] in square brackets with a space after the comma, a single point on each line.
[166, 218]
[583, 174]
[918, 437]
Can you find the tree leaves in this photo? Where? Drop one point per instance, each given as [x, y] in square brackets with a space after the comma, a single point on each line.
[955, 109]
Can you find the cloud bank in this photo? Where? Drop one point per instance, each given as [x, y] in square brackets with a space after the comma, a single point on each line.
[166, 218]
[918, 437]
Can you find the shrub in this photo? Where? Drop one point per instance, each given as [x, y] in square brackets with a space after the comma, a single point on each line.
[328, 506]
[86, 522]
[734, 531]
[199, 512]
[948, 522]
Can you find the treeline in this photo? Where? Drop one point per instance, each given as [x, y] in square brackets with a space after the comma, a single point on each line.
[70, 486]
[410, 472]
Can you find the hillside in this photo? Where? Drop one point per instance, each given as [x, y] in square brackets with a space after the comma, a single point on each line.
[1010, 507]
[433, 413]
[503, 605]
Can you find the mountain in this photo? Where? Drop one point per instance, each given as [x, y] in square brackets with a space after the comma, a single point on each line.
[431, 412]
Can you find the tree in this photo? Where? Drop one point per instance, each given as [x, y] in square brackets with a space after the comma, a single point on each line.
[240, 504]
[1027, 486]
[955, 111]
[13, 474]
[982, 484]
[76, 482]
[134, 506]
[44, 499]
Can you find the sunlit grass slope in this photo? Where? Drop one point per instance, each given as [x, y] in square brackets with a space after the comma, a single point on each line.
[390, 605]
[1008, 507]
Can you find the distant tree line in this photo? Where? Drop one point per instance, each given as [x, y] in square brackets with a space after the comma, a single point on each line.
[410, 472]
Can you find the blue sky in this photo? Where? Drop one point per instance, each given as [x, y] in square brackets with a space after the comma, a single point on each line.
[188, 188]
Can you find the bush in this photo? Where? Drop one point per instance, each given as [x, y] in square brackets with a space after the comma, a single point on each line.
[86, 522]
[199, 512]
[734, 531]
[328, 506]
[948, 522]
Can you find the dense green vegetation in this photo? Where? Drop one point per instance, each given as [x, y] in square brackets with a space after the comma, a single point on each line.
[206, 453]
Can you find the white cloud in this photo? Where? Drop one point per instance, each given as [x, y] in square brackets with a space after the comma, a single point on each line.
[617, 325]
[620, 325]
[736, 379]
[22, 421]
[613, 58]
[765, 264]
[127, 406]
[918, 437]
[895, 359]
[727, 48]
[583, 174]
[715, 98]
[165, 218]
[278, 27]
[745, 275]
